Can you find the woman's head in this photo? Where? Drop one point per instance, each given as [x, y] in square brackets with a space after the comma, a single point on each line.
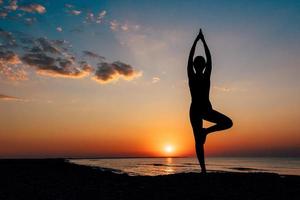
[199, 64]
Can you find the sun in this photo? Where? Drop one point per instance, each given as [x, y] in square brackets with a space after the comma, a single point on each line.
[169, 148]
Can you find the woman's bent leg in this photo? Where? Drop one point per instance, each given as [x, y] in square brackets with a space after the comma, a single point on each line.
[222, 121]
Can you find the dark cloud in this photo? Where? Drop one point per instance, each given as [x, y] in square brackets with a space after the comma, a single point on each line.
[39, 60]
[54, 58]
[48, 46]
[3, 14]
[7, 39]
[47, 57]
[86, 67]
[49, 66]
[93, 55]
[24, 38]
[36, 45]
[65, 63]
[5, 34]
[9, 57]
[124, 69]
[107, 72]
[59, 43]
[36, 49]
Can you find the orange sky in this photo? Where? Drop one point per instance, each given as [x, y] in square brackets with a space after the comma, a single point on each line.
[140, 103]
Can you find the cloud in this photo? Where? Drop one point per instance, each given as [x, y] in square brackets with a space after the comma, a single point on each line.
[11, 9]
[98, 18]
[72, 11]
[7, 39]
[107, 72]
[75, 12]
[9, 57]
[55, 59]
[30, 20]
[59, 29]
[47, 57]
[86, 67]
[12, 5]
[69, 5]
[116, 25]
[155, 79]
[48, 46]
[89, 17]
[125, 27]
[10, 68]
[3, 14]
[4, 97]
[5, 34]
[43, 44]
[49, 66]
[33, 8]
[93, 55]
[102, 14]
[10, 98]
[38, 59]
[228, 89]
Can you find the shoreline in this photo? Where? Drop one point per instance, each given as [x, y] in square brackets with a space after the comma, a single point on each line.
[61, 179]
[166, 167]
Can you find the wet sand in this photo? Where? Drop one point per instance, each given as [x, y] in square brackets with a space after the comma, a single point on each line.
[59, 179]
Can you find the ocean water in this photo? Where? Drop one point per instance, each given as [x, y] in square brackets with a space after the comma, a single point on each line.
[163, 166]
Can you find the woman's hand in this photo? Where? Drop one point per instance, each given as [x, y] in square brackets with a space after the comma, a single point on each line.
[200, 36]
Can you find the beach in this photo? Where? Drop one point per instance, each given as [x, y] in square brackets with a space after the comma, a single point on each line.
[59, 179]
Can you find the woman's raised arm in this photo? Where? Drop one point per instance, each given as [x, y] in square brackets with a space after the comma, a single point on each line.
[208, 67]
[190, 69]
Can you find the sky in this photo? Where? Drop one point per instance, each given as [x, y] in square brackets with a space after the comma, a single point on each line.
[108, 78]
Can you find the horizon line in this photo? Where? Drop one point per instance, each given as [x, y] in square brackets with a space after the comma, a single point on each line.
[139, 157]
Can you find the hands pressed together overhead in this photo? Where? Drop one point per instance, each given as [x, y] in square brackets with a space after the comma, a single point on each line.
[200, 35]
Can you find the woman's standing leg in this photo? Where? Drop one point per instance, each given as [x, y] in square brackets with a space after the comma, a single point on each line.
[197, 124]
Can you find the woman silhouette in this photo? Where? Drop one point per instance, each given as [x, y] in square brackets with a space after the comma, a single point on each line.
[201, 109]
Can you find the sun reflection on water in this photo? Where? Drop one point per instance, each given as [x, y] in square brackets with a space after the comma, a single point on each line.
[169, 168]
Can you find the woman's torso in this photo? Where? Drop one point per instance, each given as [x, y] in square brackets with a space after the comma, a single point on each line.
[199, 89]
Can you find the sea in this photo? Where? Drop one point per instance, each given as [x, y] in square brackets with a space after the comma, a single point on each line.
[164, 166]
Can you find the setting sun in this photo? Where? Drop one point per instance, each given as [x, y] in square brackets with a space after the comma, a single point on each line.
[169, 149]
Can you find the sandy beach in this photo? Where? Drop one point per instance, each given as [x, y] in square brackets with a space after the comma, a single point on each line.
[59, 179]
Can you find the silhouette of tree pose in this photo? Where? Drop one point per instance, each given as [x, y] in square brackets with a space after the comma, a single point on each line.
[201, 108]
